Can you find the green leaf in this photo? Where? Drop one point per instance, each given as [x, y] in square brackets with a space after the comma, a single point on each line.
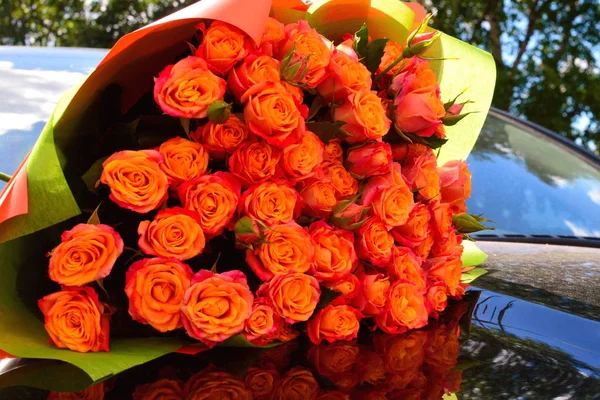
[315, 106]
[92, 175]
[192, 48]
[374, 54]
[241, 341]
[326, 131]
[469, 223]
[361, 40]
[450, 396]
[94, 218]
[472, 255]
[22, 330]
[433, 141]
[47, 375]
[471, 275]
[455, 119]
[327, 296]
[185, 124]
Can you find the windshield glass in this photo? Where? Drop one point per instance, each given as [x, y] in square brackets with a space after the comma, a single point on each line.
[528, 183]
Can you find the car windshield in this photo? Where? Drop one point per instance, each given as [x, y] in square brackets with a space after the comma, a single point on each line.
[528, 183]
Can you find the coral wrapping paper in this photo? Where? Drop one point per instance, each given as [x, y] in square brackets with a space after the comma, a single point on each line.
[40, 195]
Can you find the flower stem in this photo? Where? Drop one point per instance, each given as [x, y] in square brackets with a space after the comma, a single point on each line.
[4, 177]
[389, 68]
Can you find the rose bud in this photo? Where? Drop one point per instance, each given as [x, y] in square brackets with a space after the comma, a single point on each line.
[136, 180]
[405, 309]
[284, 248]
[253, 70]
[346, 76]
[364, 116]
[272, 203]
[155, 288]
[436, 299]
[369, 160]
[304, 43]
[272, 114]
[262, 321]
[447, 270]
[348, 215]
[218, 111]
[419, 112]
[183, 160]
[422, 175]
[294, 66]
[374, 243]
[254, 163]
[343, 181]
[273, 35]
[335, 257]
[294, 295]
[300, 159]
[215, 198]
[205, 300]
[334, 151]
[455, 109]
[187, 88]
[223, 45]
[372, 300]
[246, 231]
[163, 388]
[221, 139]
[297, 383]
[76, 320]
[86, 253]
[174, 232]
[406, 266]
[261, 382]
[419, 40]
[334, 323]
[416, 229]
[455, 182]
[318, 194]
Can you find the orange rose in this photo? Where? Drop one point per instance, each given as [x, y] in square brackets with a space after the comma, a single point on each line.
[222, 139]
[223, 45]
[163, 389]
[422, 175]
[334, 323]
[369, 159]
[272, 203]
[272, 36]
[95, 392]
[455, 182]
[262, 321]
[294, 295]
[335, 257]
[373, 368]
[349, 287]
[187, 88]
[183, 159]
[405, 309]
[420, 112]
[364, 116]
[391, 198]
[407, 267]
[436, 298]
[86, 253]
[174, 232]
[334, 151]
[286, 247]
[408, 152]
[441, 218]
[447, 270]
[334, 359]
[450, 246]
[391, 52]
[416, 229]
[261, 382]
[301, 158]
[254, 163]
[346, 75]
[272, 114]
[297, 384]
[76, 320]
[402, 353]
[318, 194]
[374, 243]
[415, 74]
[307, 44]
[155, 288]
[214, 197]
[443, 348]
[254, 70]
[209, 384]
[298, 96]
[423, 249]
[216, 306]
[344, 183]
[135, 179]
[375, 290]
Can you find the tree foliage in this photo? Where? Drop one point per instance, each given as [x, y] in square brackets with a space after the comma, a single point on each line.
[546, 51]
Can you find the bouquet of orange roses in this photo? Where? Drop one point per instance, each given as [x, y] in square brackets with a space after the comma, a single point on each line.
[233, 180]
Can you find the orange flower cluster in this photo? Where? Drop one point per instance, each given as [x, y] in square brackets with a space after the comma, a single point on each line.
[357, 214]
